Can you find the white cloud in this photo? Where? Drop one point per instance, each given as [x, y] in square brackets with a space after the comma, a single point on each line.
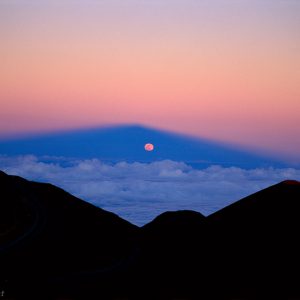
[140, 191]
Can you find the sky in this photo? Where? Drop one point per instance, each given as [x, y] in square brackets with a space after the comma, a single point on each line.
[228, 70]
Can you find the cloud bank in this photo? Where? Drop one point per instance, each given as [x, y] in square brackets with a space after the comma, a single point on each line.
[139, 192]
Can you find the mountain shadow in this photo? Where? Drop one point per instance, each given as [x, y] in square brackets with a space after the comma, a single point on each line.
[56, 246]
[127, 143]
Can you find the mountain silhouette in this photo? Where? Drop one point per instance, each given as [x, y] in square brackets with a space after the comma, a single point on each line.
[127, 143]
[258, 238]
[48, 233]
[56, 246]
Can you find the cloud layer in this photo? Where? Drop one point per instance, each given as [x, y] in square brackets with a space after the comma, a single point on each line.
[139, 192]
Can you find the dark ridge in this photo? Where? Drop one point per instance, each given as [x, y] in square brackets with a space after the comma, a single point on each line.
[46, 233]
[259, 246]
[292, 182]
[172, 225]
[170, 249]
[280, 199]
[168, 218]
[56, 246]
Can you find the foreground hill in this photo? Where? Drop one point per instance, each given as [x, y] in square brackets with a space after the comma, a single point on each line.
[53, 245]
[259, 238]
[47, 233]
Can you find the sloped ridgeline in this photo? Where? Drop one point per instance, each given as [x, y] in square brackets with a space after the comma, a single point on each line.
[47, 236]
[53, 245]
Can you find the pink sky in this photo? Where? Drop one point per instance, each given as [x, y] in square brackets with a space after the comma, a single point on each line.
[226, 70]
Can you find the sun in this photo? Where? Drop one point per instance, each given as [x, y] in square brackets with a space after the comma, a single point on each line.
[149, 147]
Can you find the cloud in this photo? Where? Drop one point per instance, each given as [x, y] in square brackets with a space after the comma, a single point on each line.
[138, 191]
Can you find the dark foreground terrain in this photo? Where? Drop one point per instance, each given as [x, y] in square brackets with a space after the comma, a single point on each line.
[56, 246]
